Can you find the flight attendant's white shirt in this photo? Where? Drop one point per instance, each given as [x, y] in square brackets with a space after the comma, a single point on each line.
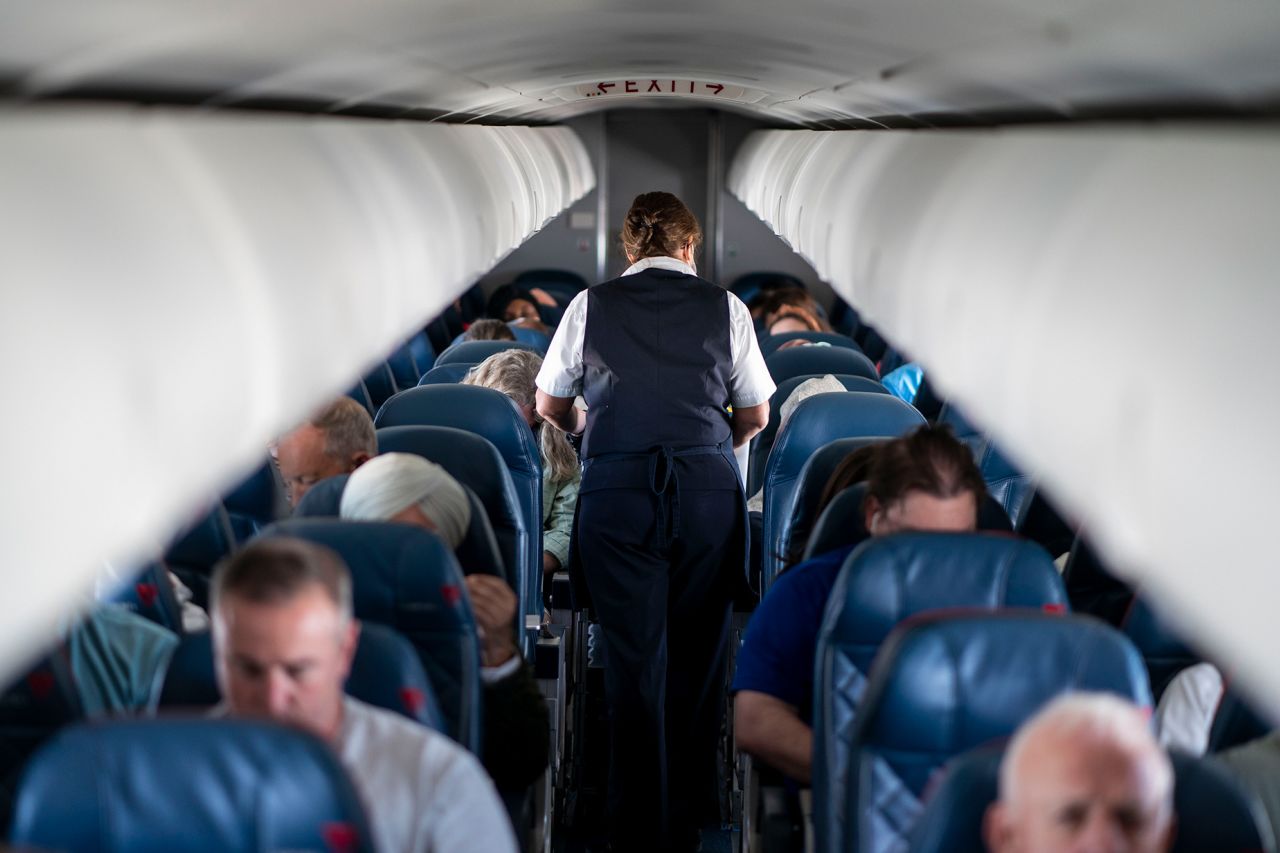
[749, 381]
[422, 792]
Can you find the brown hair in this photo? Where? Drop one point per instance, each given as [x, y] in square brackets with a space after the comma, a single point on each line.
[348, 429]
[489, 330]
[273, 571]
[929, 459]
[789, 302]
[659, 225]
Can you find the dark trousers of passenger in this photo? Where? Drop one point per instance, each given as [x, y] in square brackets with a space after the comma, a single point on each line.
[664, 610]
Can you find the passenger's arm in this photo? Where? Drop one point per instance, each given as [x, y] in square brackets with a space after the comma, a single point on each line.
[771, 730]
[559, 412]
[748, 421]
[494, 606]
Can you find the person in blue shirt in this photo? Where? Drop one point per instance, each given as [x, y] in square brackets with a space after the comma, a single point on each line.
[926, 480]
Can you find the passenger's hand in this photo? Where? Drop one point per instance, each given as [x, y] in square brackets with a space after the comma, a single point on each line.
[542, 296]
[494, 605]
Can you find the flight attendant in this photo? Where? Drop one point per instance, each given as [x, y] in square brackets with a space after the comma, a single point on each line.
[673, 381]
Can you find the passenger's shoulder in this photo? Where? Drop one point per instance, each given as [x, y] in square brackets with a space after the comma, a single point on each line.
[381, 728]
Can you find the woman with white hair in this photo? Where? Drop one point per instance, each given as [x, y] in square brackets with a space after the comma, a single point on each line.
[407, 488]
[513, 372]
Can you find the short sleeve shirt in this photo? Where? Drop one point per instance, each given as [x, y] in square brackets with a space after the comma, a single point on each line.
[749, 381]
[778, 652]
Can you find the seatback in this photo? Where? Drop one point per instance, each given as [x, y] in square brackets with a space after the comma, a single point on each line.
[446, 374]
[809, 487]
[806, 361]
[815, 422]
[1213, 812]
[844, 523]
[770, 344]
[942, 684]
[747, 285]
[546, 278]
[1092, 586]
[891, 578]
[474, 352]
[385, 672]
[188, 784]
[763, 443]
[381, 384]
[251, 505]
[492, 415]
[1236, 722]
[204, 543]
[32, 708]
[150, 594]
[531, 338]
[411, 359]
[361, 395]
[407, 579]
[477, 553]
[1005, 482]
[1162, 648]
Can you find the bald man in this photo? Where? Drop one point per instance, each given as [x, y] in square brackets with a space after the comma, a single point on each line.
[1084, 774]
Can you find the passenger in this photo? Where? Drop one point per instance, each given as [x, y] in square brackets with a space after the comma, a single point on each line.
[1256, 766]
[407, 488]
[118, 660]
[337, 440]
[1184, 717]
[827, 384]
[1084, 773]
[926, 480]
[489, 330]
[514, 304]
[284, 637]
[792, 303]
[513, 373]
[660, 532]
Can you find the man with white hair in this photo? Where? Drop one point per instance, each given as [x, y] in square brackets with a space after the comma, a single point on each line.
[407, 488]
[1084, 774]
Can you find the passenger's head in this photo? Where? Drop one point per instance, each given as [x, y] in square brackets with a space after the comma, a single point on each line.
[793, 320]
[513, 372]
[283, 633]
[405, 487]
[523, 309]
[337, 440]
[925, 480]
[659, 225]
[1084, 774]
[489, 330]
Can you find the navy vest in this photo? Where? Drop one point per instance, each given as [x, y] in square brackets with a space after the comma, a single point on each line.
[656, 364]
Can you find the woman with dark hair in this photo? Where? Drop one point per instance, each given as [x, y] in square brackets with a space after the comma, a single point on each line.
[673, 380]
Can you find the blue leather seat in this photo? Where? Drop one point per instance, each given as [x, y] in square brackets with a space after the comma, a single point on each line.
[385, 672]
[474, 352]
[32, 709]
[381, 384]
[251, 505]
[763, 443]
[1163, 650]
[1005, 482]
[360, 393]
[545, 278]
[492, 415]
[809, 487]
[204, 544]
[407, 579]
[844, 523]
[531, 338]
[1236, 722]
[747, 286]
[770, 343]
[1213, 813]
[942, 684]
[815, 422]
[807, 361]
[445, 374]
[411, 359]
[150, 594]
[498, 528]
[194, 785]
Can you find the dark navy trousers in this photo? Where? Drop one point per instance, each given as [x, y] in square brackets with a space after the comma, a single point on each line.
[662, 593]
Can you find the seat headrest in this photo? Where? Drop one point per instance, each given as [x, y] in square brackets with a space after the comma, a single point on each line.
[255, 498]
[532, 338]
[771, 343]
[206, 542]
[890, 578]
[811, 484]
[1160, 644]
[199, 785]
[797, 361]
[324, 499]
[385, 672]
[445, 374]
[1213, 812]
[474, 352]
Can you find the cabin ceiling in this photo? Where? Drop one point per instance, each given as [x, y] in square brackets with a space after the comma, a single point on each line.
[806, 63]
